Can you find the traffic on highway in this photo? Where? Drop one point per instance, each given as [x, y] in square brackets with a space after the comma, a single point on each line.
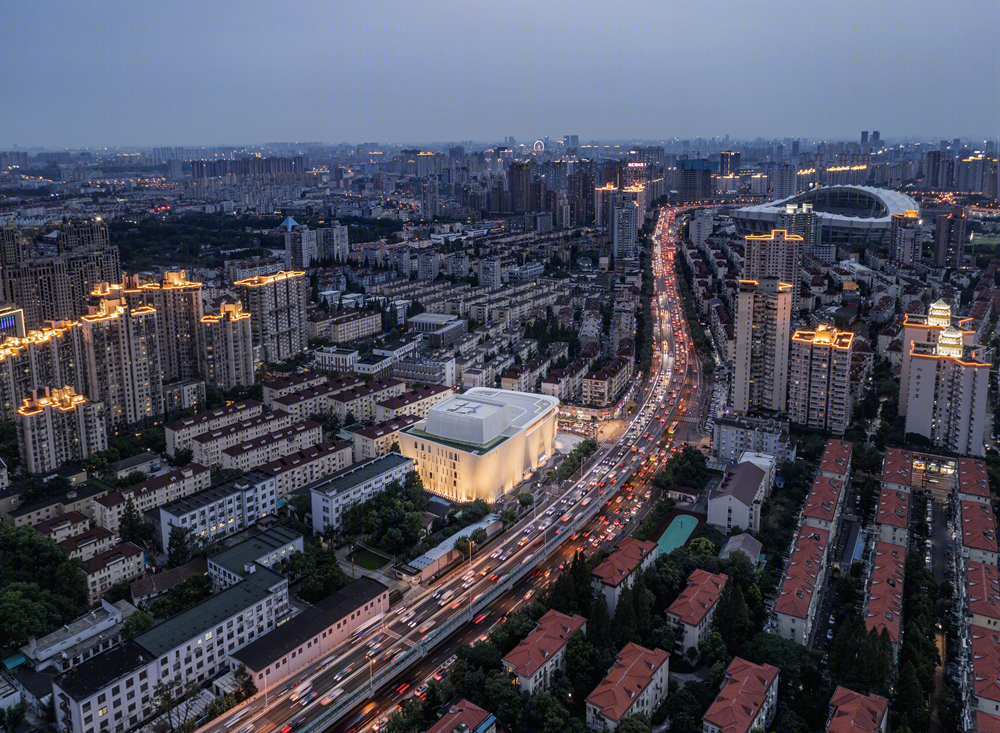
[363, 682]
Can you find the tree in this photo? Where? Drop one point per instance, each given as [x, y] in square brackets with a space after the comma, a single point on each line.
[636, 723]
[179, 547]
[174, 701]
[701, 546]
[462, 545]
[507, 517]
[247, 687]
[131, 528]
[713, 650]
[479, 536]
[182, 457]
[137, 623]
[525, 499]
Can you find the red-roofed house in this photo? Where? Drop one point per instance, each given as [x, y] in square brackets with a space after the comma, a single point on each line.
[617, 572]
[893, 516]
[691, 614]
[982, 594]
[822, 507]
[979, 532]
[986, 723]
[836, 459]
[973, 485]
[543, 651]
[986, 669]
[636, 684]
[897, 469]
[464, 713]
[795, 607]
[748, 699]
[884, 604]
[852, 712]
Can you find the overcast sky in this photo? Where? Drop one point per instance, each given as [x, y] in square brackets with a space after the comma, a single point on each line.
[187, 72]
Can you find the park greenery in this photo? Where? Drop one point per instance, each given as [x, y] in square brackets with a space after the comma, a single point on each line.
[576, 458]
[41, 587]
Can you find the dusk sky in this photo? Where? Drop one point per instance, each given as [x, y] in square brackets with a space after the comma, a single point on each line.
[187, 72]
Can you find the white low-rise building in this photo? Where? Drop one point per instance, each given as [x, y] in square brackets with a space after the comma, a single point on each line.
[333, 496]
[542, 653]
[691, 614]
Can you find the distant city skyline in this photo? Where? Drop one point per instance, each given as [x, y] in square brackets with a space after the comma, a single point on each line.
[143, 74]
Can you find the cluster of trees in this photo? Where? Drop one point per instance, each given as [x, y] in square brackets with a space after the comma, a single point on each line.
[41, 587]
[644, 345]
[317, 568]
[698, 336]
[182, 596]
[191, 239]
[576, 458]
[862, 660]
[688, 469]
[183, 545]
[918, 654]
[137, 623]
[550, 331]
[391, 519]
[215, 397]
[222, 703]
[8, 446]
[120, 447]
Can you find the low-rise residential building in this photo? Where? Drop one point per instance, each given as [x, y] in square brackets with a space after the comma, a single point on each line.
[208, 447]
[88, 543]
[334, 495]
[602, 388]
[822, 508]
[310, 464]
[978, 530]
[438, 328]
[465, 717]
[115, 691]
[310, 401]
[748, 699]
[62, 526]
[884, 601]
[79, 497]
[973, 484]
[332, 359]
[636, 684]
[284, 386]
[258, 451]
[416, 401]
[79, 640]
[380, 438]
[798, 595]
[836, 459]
[314, 633]
[982, 595]
[737, 501]
[266, 549]
[852, 712]
[618, 571]
[190, 394]
[219, 510]
[734, 434]
[121, 562]
[985, 673]
[534, 661]
[360, 401]
[892, 518]
[180, 433]
[426, 369]
[691, 614]
[144, 463]
[346, 326]
[176, 484]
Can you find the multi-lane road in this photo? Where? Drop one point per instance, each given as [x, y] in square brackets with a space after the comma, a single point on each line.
[365, 680]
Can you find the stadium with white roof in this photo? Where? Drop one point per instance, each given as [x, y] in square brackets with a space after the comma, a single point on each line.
[847, 214]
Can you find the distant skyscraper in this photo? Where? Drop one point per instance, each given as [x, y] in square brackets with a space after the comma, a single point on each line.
[693, 180]
[729, 163]
[581, 197]
[277, 304]
[333, 242]
[905, 238]
[932, 168]
[864, 137]
[175, 170]
[178, 305]
[800, 219]
[775, 255]
[226, 348]
[519, 184]
[763, 326]
[430, 206]
[784, 181]
[624, 225]
[819, 379]
[301, 247]
[57, 426]
[54, 355]
[950, 239]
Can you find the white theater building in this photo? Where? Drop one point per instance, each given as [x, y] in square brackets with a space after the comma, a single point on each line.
[480, 444]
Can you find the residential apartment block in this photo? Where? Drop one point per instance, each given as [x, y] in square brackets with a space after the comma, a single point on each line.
[819, 379]
[798, 596]
[151, 493]
[266, 448]
[180, 434]
[763, 326]
[121, 562]
[295, 470]
[534, 661]
[748, 699]
[225, 348]
[636, 684]
[208, 447]
[691, 614]
[277, 305]
[416, 401]
[57, 427]
[618, 571]
[377, 440]
[334, 495]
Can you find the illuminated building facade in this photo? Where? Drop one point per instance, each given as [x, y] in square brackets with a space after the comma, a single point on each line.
[52, 355]
[277, 305]
[480, 444]
[918, 328]
[948, 393]
[819, 379]
[57, 426]
[905, 238]
[777, 254]
[123, 359]
[225, 352]
[763, 327]
[178, 306]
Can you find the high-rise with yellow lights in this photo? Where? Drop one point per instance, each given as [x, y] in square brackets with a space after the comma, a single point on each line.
[763, 326]
[819, 379]
[948, 392]
[919, 328]
[56, 426]
[277, 305]
[123, 359]
[178, 306]
[51, 355]
[778, 255]
[226, 348]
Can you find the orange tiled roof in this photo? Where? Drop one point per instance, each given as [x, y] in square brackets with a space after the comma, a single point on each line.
[856, 713]
[628, 678]
[979, 531]
[628, 556]
[550, 635]
[824, 496]
[742, 696]
[885, 596]
[803, 571]
[702, 593]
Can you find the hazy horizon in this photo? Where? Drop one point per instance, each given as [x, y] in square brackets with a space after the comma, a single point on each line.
[113, 74]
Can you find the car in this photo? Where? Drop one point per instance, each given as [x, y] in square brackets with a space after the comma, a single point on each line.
[421, 691]
[493, 577]
[308, 698]
[439, 674]
[343, 673]
[331, 696]
[479, 619]
[528, 595]
[402, 688]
